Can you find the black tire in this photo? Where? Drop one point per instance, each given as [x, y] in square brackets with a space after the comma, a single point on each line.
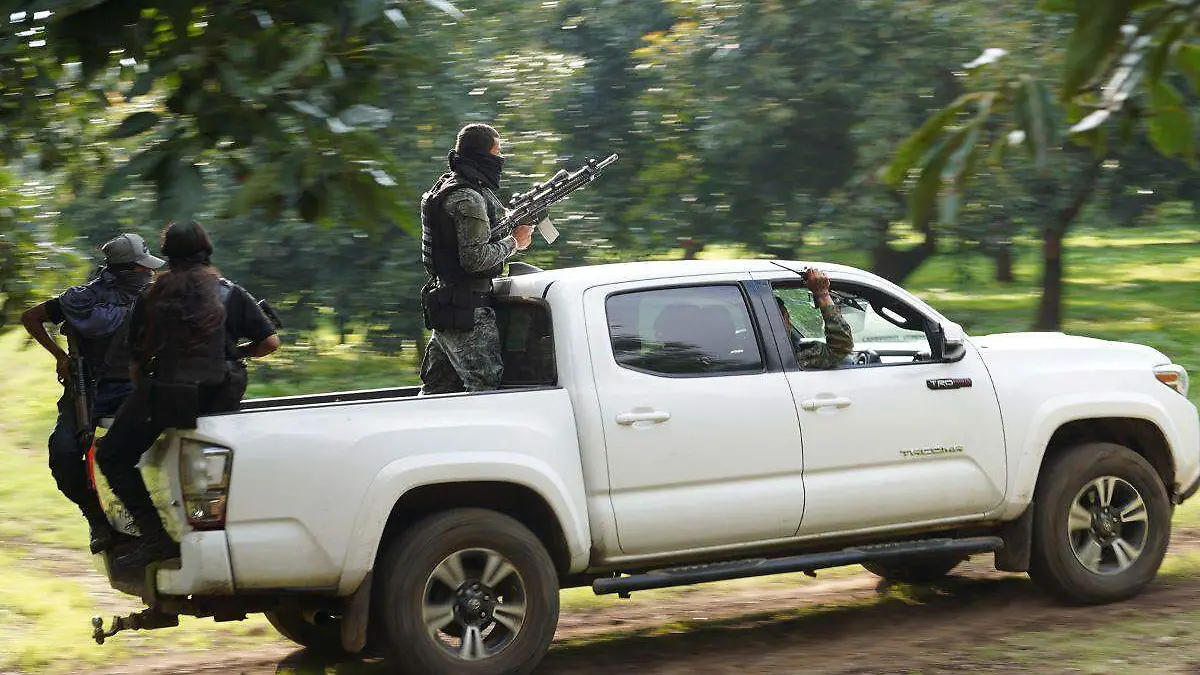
[415, 584]
[321, 636]
[917, 570]
[1063, 559]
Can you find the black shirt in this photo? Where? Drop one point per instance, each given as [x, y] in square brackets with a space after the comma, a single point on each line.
[54, 310]
[244, 319]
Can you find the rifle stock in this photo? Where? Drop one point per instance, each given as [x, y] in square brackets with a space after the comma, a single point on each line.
[524, 206]
[270, 313]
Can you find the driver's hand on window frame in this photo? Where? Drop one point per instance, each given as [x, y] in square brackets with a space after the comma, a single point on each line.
[818, 284]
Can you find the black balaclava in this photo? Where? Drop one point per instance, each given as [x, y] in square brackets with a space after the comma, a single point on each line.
[477, 165]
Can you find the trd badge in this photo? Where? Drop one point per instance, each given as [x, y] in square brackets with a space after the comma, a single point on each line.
[942, 383]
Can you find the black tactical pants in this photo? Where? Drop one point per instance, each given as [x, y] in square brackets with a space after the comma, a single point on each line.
[68, 457]
[134, 431]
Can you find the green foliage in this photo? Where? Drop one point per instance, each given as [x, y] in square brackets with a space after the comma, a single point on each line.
[283, 88]
[1095, 38]
[1028, 118]
[1170, 128]
[1116, 49]
[302, 133]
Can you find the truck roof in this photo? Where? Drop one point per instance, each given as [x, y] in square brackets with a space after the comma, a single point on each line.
[534, 284]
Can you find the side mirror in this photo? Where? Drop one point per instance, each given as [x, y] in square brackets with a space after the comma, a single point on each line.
[946, 343]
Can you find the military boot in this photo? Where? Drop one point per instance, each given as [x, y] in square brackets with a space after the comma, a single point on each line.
[102, 535]
[154, 545]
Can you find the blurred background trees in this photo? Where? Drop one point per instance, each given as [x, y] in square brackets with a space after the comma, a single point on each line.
[302, 133]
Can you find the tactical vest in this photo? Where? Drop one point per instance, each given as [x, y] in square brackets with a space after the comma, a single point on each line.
[206, 365]
[107, 357]
[439, 237]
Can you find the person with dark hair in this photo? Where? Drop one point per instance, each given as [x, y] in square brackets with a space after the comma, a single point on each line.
[183, 336]
[839, 339]
[461, 255]
[94, 317]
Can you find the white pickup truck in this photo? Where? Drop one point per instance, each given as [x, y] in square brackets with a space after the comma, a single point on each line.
[654, 429]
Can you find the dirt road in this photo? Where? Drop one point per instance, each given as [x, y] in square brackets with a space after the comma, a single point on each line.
[839, 627]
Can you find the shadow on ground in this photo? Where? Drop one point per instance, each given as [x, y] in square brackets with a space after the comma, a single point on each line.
[818, 629]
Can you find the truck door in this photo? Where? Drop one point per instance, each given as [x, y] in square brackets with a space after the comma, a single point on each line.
[700, 429]
[890, 437]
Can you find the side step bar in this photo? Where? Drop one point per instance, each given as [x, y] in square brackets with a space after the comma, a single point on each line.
[757, 567]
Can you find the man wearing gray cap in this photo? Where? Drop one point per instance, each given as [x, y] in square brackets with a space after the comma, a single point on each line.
[94, 316]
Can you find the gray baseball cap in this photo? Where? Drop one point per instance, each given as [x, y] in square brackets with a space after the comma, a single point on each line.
[130, 248]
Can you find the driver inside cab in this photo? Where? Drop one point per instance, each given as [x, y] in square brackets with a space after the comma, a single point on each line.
[839, 340]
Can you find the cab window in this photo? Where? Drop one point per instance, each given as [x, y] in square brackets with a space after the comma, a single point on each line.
[684, 331]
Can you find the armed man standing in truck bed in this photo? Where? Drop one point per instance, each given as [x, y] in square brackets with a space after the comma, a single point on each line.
[461, 257]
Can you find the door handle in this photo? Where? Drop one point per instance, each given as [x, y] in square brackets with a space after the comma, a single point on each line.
[630, 418]
[838, 402]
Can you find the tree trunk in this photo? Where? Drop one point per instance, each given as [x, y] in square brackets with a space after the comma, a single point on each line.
[894, 264]
[691, 248]
[1049, 313]
[1003, 256]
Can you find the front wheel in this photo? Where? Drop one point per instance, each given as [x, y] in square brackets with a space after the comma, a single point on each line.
[1102, 521]
[468, 592]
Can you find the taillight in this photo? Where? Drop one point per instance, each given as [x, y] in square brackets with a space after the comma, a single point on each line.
[204, 474]
[1175, 377]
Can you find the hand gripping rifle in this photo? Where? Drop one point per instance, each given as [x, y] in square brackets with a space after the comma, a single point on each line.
[526, 206]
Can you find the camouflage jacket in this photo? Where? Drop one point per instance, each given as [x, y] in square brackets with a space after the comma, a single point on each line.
[839, 342]
[477, 249]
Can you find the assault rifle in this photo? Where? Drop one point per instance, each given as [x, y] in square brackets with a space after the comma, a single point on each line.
[525, 206]
[78, 385]
[270, 313]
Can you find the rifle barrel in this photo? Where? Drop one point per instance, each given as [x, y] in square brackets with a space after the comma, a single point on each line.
[543, 195]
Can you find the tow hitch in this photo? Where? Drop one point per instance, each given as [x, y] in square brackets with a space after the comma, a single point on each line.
[147, 619]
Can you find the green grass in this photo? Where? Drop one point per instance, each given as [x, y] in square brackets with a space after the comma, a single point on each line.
[1188, 515]
[326, 366]
[31, 509]
[1161, 645]
[1126, 642]
[1141, 285]
[46, 610]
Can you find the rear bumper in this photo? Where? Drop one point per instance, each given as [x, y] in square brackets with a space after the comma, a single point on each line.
[205, 570]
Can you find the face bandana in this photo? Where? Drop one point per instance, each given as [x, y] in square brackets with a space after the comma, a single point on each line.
[482, 166]
[132, 280]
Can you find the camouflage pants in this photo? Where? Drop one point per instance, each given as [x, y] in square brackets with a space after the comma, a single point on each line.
[458, 361]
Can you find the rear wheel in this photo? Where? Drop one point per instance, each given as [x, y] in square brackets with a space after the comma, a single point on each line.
[470, 592]
[319, 632]
[1102, 521]
[922, 570]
